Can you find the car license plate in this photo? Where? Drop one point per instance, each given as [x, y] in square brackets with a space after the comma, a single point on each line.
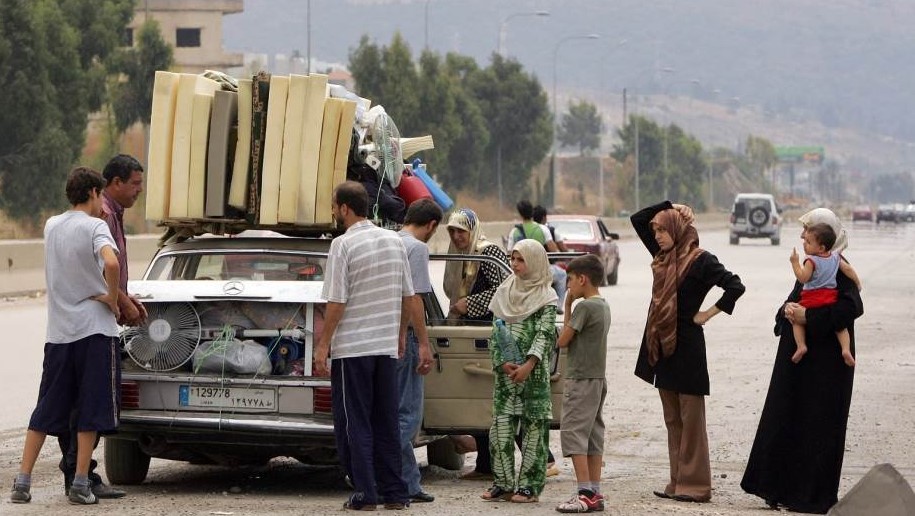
[241, 398]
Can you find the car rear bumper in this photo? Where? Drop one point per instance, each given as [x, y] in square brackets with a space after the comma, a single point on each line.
[155, 421]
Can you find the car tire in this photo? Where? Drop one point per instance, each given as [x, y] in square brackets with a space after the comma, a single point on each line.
[125, 462]
[613, 277]
[776, 240]
[758, 216]
[734, 240]
[441, 453]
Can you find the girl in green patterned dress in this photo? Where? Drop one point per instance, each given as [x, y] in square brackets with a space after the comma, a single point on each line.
[527, 304]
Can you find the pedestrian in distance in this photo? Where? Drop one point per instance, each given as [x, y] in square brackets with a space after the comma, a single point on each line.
[367, 286]
[584, 334]
[521, 345]
[818, 274]
[672, 354]
[422, 219]
[797, 454]
[123, 177]
[80, 374]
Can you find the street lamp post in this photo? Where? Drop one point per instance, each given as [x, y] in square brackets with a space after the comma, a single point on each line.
[635, 100]
[667, 133]
[500, 46]
[553, 174]
[426, 26]
[600, 159]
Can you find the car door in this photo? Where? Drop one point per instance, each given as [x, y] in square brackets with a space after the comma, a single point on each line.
[458, 391]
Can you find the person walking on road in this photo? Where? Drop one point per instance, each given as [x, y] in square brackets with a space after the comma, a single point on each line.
[672, 354]
[367, 285]
[80, 375]
[422, 219]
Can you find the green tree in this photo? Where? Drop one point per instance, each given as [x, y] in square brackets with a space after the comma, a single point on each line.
[581, 127]
[650, 162]
[518, 119]
[131, 92]
[50, 53]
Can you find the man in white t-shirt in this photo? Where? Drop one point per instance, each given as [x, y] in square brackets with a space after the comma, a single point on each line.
[367, 285]
[80, 373]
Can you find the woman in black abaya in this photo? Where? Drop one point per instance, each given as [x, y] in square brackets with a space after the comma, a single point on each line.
[796, 459]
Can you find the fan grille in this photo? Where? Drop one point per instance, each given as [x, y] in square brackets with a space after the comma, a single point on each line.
[167, 340]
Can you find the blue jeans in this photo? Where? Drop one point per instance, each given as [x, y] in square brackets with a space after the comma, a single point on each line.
[559, 283]
[410, 413]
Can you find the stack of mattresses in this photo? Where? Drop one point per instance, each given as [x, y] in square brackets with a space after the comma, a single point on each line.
[268, 154]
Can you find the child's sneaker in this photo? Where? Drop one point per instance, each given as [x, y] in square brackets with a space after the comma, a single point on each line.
[81, 495]
[582, 503]
[20, 494]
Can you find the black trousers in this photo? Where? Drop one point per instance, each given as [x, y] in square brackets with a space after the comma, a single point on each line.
[67, 465]
[366, 401]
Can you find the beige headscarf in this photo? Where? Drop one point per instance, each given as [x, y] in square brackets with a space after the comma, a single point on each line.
[520, 296]
[826, 216]
[460, 276]
[669, 268]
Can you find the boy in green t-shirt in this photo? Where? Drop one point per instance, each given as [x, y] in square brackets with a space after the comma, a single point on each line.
[585, 388]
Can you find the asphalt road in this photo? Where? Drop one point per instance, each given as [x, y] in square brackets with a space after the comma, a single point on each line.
[741, 349]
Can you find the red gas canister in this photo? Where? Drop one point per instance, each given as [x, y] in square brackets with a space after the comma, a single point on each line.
[412, 188]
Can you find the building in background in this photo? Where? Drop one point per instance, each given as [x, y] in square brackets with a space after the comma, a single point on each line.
[193, 28]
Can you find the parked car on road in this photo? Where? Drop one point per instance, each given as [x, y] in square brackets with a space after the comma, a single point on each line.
[909, 213]
[888, 213]
[221, 373]
[862, 212]
[589, 234]
[755, 215]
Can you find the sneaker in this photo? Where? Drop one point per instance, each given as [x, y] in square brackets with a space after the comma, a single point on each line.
[20, 494]
[81, 495]
[582, 503]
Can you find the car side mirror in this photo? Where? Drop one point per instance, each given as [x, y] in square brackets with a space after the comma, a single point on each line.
[614, 236]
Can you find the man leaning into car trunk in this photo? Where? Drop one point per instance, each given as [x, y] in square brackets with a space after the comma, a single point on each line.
[365, 277]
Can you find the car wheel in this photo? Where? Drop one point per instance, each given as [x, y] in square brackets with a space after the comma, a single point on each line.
[734, 240]
[613, 276]
[441, 453]
[125, 462]
[776, 240]
[758, 216]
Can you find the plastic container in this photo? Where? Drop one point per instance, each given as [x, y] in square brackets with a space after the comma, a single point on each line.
[507, 344]
[438, 195]
[412, 188]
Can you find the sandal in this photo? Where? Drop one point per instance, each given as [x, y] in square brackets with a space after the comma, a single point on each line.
[496, 494]
[524, 495]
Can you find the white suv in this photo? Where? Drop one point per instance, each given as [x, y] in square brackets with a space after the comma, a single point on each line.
[755, 215]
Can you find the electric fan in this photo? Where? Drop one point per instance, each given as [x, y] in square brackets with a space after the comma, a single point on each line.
[384, 153]
[167, 340]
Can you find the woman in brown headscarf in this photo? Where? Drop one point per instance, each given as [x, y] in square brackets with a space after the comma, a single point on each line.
[672, 355]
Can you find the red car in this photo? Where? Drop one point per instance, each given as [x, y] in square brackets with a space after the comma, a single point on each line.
[588, 234]
[862, 212]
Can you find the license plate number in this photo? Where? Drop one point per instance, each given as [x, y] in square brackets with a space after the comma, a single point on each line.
[227, 397]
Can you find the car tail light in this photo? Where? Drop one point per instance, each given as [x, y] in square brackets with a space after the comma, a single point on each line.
[733, 218]
[323, 400]
[774, 220]
[130, 394]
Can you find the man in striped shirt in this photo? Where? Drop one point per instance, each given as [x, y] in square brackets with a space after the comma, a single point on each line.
[367, 285]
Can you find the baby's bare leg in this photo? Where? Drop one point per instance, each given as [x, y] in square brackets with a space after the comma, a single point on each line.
[801, 339]
[845, 342]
